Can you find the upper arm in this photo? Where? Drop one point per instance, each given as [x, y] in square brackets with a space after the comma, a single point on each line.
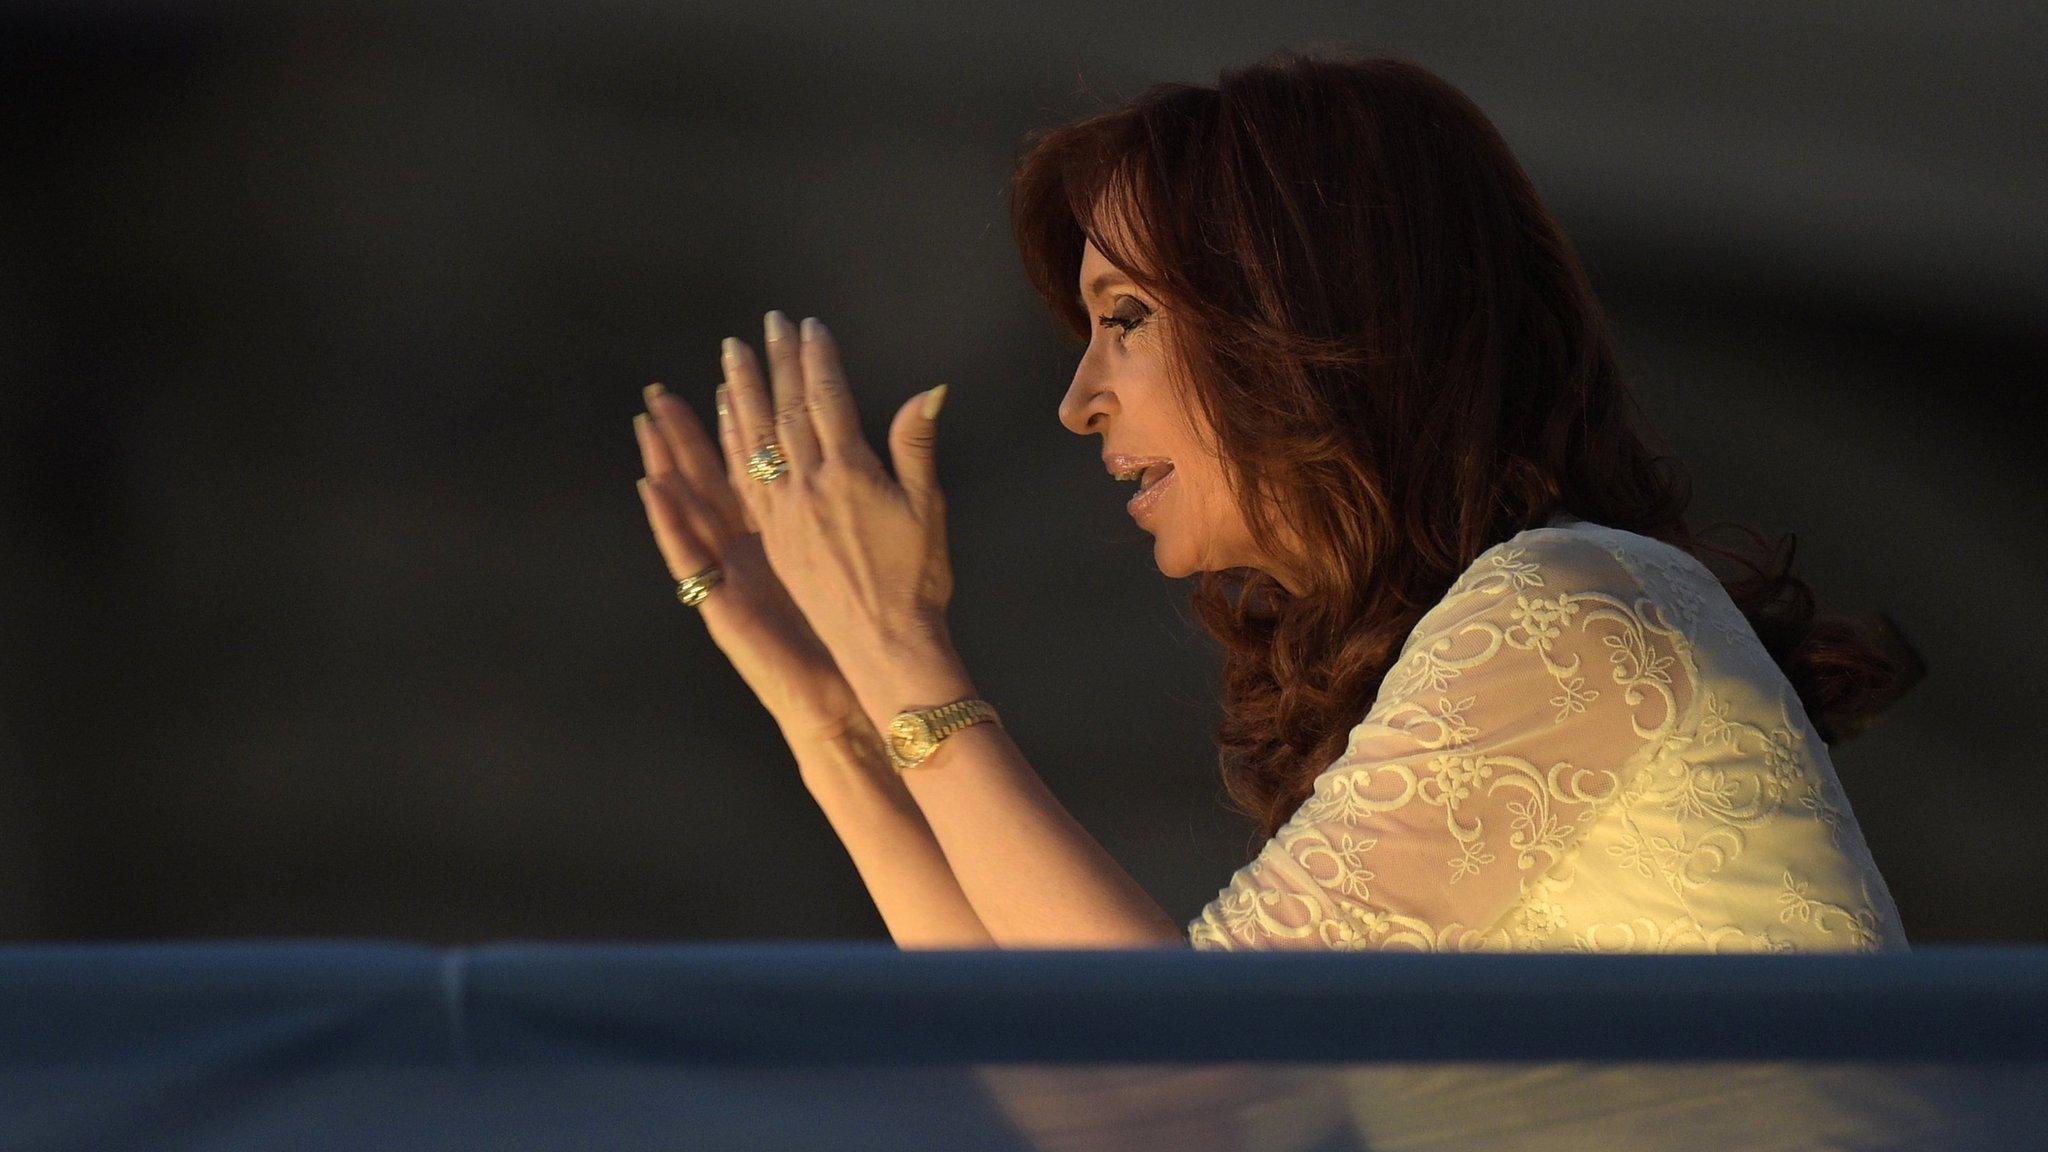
[1518, 706]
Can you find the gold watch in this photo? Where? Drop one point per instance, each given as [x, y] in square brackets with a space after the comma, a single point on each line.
[914, 733]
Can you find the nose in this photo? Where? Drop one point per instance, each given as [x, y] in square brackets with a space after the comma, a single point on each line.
[1088, 403]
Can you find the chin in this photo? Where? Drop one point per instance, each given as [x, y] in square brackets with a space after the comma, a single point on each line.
[1169, 563]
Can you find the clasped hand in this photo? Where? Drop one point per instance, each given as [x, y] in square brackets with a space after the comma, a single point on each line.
[831, 564]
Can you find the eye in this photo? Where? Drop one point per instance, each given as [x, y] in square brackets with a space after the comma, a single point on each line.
[1124, 318]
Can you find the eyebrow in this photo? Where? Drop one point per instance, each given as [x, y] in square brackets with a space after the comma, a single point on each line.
[1101, 281]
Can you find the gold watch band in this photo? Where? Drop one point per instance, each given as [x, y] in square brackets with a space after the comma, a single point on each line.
[950, 718]
[942, 721]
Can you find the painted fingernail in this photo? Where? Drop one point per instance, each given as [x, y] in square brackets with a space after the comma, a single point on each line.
[778, 325]
[811, 327]
[729, 348]
[651, 391]
[932, 400]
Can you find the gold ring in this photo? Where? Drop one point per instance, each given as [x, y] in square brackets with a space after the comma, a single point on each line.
[695, 587]
[766, 463]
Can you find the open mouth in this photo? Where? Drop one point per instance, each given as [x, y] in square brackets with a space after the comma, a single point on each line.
[1152, 483]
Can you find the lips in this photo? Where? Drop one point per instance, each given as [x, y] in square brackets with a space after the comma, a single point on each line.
[1121, 464]
[1153, 473]
[1158, 481]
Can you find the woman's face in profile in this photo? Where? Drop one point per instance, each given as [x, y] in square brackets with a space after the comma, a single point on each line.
[1121, 391]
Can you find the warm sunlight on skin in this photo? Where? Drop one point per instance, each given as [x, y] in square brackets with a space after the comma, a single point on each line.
[1121, 391]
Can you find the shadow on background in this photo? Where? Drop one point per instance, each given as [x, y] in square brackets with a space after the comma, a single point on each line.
[330, 608]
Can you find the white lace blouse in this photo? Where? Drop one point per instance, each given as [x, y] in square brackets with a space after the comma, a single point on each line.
[1582, 747]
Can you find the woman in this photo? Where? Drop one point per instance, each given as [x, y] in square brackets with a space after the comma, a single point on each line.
[1481, 692]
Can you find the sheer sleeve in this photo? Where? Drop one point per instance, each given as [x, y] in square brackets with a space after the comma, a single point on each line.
[1518, 705]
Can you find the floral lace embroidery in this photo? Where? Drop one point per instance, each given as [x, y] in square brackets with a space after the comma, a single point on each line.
[1320, 888]
[1711, 771]
[1693, 591]
[1859, 925]
[1680, 934]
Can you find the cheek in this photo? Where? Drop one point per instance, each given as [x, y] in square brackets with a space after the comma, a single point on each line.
[1213, 508]
[1209, 486]
[1205, 501]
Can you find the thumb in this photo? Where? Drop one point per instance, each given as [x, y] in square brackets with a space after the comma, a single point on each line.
[913, 444]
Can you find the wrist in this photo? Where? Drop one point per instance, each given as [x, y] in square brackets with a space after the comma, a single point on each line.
[906, 677]
[911, 658]
[923, 637]
[832, 716]
[847, 772]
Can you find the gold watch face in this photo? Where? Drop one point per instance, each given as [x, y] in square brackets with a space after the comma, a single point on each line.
[911, 737]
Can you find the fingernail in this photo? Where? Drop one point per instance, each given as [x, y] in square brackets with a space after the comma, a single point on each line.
[932, 400]
[811, 327]
[651, 391]
[729, 348]
[778, 325]
[719, 396]
[639, 418]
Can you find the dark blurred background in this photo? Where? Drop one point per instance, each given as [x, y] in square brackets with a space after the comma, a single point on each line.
[329, 606]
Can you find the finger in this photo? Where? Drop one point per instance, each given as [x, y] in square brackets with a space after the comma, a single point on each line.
[833, 413]
[654, 457]
[682, 550]
[735, 457]
[690, 451]
[786, 370]
[708, 523]
[913, 443]
[753, 414]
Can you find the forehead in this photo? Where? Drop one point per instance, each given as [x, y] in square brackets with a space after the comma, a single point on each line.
[1115, 230]
[1096, 270]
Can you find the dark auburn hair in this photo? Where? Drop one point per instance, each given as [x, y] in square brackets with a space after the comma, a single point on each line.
[1396, 350]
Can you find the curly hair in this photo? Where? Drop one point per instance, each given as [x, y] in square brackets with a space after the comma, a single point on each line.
[1400, 357]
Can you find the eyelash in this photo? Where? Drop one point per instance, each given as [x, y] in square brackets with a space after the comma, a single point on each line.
[1124, 322]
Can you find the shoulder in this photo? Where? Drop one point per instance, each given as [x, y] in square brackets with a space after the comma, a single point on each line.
[1554, 635]
[1547, 600]
[1565, 560]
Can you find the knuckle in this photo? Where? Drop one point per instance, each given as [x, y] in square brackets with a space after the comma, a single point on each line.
[840, 471]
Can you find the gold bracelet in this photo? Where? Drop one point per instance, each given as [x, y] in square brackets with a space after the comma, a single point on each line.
[915, 733]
